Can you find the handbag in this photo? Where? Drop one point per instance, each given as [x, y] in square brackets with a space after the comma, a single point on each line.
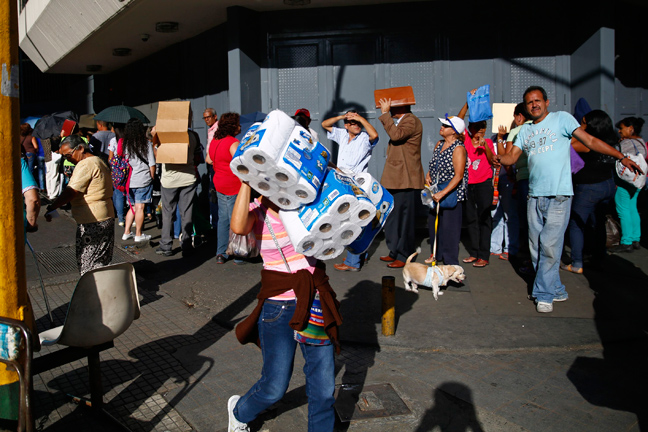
[627, 175]
[243, 246]
[479, 104]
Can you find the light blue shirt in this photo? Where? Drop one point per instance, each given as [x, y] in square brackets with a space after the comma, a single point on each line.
[547, 146]
[355, 154]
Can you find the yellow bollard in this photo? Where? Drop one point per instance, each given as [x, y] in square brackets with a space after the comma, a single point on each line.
[388, 306]
[14, 302]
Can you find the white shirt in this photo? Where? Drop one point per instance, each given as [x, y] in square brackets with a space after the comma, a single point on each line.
[355, 154]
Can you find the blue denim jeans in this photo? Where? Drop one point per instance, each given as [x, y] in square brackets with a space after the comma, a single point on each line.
[120, 205]
[588, 214]
[506, 226]
[353, 260]
[548, 218]
[225, 208]
[278, 348]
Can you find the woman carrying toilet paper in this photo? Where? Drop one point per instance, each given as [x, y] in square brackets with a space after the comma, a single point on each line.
[297, 306]
[226, 183]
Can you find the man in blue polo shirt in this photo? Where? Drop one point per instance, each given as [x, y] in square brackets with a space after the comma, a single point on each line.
[546, 142]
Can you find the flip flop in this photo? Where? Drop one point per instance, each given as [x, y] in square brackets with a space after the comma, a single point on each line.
[571, 269]
[469, 260]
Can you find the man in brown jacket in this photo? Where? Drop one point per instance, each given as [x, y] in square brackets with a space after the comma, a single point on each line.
[403, 177]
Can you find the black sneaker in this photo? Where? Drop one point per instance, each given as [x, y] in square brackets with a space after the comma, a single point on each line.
[220, 259]
[164, 252]
[636, 245]
[621, 248]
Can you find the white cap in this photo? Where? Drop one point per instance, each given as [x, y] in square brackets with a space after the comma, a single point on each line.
[454, 122]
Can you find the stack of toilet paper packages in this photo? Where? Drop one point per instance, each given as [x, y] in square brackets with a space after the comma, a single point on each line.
[341, 214]
[384, 203]
[280, 160]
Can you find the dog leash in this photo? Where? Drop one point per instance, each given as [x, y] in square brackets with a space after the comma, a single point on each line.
[436, 228]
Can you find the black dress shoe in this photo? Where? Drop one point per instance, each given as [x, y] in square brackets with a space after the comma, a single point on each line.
[621, 248]
[636, 245]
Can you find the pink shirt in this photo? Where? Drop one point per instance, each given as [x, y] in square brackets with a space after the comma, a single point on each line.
[479, 169]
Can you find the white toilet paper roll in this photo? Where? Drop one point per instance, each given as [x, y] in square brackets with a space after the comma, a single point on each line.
[283, 175]
[329, 250]
[303, 191]
[347, 233]
[303, 241]
[268, 142]
[370, 186]
[365, 211]
[264, 185]
[344, 206]
[259, 158]
[243, 170]
[284, 200]
[325, 226]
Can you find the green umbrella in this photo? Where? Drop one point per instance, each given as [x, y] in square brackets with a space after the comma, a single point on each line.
[121, 114]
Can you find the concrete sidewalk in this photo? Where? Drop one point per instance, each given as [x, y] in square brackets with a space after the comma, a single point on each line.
[479, 358]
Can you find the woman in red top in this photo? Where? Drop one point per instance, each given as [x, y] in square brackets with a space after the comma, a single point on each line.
[479, 195]
[227, 185]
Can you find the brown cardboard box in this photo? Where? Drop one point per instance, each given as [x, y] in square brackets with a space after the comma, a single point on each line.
[400, 96]
[171, 129]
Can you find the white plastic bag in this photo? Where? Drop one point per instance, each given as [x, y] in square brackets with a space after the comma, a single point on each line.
[626, 174]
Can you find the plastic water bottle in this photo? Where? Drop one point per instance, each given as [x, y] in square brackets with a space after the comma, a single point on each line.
[426, 197]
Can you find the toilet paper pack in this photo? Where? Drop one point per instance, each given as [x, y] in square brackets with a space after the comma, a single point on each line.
[369, 232]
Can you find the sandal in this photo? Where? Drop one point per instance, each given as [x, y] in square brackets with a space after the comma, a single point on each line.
[469, 260]
[480, 263]
[571, 268]
[429, 260]
[504, 256]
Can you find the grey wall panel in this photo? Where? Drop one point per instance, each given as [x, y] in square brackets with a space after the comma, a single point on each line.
[298, 88]
[631, 102]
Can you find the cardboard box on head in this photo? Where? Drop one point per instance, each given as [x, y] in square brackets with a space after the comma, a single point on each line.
[171, 128]
[400, 96]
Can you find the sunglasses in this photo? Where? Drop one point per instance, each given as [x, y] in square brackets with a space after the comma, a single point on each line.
[67, 156]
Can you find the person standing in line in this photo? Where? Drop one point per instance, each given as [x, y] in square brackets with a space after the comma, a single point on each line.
[119, 199]
[100, 140]
[90, 193]
[626, 194]
[211, 120]
[403, 177]
[355, 146]
[297, 307]
[547, 142]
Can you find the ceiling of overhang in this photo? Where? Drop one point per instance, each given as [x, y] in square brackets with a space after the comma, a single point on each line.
[194, 17]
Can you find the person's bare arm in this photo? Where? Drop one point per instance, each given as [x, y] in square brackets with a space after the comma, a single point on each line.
[35, 143]
[233, 148]
[328, 124]
[371, 131]
[599, 146]
[464, 109]
[509, 158]
[32, 208]
[459, 164]
[501, 144]
[242, 220]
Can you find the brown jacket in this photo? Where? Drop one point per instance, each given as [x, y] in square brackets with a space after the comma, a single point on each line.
[403, 168]
[304, 284]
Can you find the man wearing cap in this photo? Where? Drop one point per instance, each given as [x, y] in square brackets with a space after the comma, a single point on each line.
[355, 147]
[302, 116]
[546, 141]
[403, 178]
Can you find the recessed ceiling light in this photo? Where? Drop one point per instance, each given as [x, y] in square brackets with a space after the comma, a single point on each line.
[166, 27]
[121, 52]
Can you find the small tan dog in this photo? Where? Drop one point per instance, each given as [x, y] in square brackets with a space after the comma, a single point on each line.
[415, 274]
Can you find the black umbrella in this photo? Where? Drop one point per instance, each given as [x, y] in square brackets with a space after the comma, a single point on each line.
[248, 120]
[50, 125]
[121, 114]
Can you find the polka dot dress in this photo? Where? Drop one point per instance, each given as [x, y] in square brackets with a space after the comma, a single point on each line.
[443, 160]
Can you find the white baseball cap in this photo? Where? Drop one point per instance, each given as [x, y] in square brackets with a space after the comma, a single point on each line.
[454, 122]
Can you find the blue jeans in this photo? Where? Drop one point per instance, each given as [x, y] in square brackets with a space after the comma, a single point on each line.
[353, 260]
[225, 208]
[548, 218]
[118, 201]
[40, 166]
[588, 211]
[278, 348]
[505, 219]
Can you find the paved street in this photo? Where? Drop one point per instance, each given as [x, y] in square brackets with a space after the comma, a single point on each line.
[479, 358]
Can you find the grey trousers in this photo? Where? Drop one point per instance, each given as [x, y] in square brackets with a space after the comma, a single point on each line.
[181, 197]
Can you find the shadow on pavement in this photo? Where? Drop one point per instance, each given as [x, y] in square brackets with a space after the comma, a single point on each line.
[621, 316]
[453, 410]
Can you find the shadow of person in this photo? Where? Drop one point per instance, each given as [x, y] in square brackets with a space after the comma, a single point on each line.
[618, 380]
[453, 410]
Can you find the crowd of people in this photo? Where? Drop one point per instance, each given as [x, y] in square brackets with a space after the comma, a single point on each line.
[517, 194]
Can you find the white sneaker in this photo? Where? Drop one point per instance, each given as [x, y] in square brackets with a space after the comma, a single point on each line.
[543, 307]
[121, 224]
[143, 237]
[128, 236]
[234, 424]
